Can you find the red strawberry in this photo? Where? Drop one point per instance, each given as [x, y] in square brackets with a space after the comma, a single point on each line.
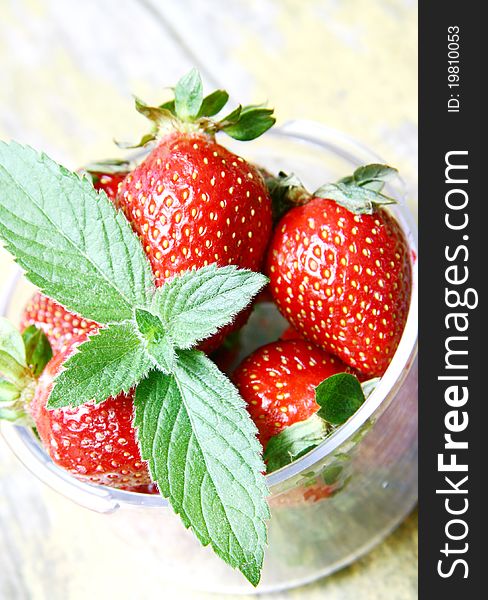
[291, 333]
[193, 203]
[108, 182]
[278, 383]
[95, 443]
[59, 325]
[343, 280]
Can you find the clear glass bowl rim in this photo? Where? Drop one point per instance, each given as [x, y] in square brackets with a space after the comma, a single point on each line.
[105, 499]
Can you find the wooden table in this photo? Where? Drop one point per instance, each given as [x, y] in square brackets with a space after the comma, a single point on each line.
[68, 69]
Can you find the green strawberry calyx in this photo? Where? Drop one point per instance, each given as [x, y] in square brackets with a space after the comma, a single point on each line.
[190, 112]
[338, 397]
[22, 360]
[360, 193]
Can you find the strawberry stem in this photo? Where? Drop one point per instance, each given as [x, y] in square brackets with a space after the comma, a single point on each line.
[286, 191]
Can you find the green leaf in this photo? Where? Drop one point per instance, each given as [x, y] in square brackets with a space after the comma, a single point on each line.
[11, 341]
[233, 116]
[294, 441]
[14, 400]
[9, 393]
[70, 240]
[194, 305]
[371, 176]
[286, 191]
[157, 114]
[110, 361]
[253, 121]
[189, 95]
[201, 445]
[12, 370]
[158, 344]
[37, 349]
[170, 105]
[339, 396]
[213, 103]
[359, 200]
[9, 414]
[110, 166]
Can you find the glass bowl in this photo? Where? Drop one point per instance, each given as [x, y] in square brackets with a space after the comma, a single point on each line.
[329, 507]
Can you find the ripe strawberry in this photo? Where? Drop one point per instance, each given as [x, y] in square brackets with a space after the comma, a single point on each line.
[278, 383]
[291, 333]
[108, 182]
[343, 280]
[95, 443]
[193, 202]
[59, 325]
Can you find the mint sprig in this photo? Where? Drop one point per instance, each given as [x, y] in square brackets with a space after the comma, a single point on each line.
[197, 416]
[191, 422]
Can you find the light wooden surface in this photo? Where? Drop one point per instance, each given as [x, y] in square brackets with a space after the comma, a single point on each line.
[68, 69]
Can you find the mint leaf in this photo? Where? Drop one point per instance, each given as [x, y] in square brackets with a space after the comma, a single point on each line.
[294, 441]
[194, 305]
[38, 350]
[213, 103]
[339, 396]
[11, 341]
[158, 343]
[69, 239]
[189, 95]
[201, 445]
[110, 361]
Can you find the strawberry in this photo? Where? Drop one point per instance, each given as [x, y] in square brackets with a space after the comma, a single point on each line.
[59, 325]
[108, 182]
[191, 201]
[291, 333]
[278, 383]
[340, 272]
[95, 443]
